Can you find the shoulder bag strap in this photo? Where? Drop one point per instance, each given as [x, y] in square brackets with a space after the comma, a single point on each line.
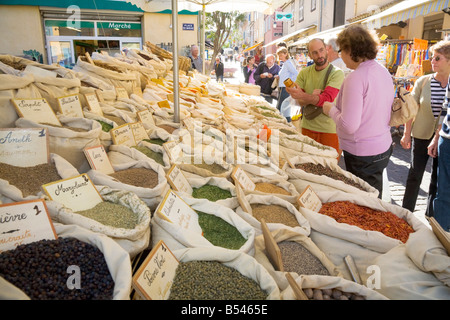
[330, 68]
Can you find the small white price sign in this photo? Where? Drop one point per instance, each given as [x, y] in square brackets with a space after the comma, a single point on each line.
[309, 200]
[139, 131]
[146, 117]
[37, 110]
[154, 277]
[70, 106]
[24, 222]
[178, 181]
[24, 147]
[93, 103]
[239, 176]
[123, 135]
[98, 159]
[121, 93]
[77, 193]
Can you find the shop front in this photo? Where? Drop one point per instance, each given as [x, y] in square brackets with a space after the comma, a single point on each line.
[66, 42]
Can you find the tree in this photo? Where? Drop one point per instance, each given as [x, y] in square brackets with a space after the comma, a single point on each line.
[221, 26]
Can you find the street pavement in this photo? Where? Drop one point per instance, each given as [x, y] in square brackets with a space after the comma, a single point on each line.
[396, 172]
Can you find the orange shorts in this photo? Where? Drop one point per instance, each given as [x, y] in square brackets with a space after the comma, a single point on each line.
[327, 139]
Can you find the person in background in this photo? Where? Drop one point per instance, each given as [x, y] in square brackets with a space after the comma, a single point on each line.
[334, 57]
[265, 75]
[440, 148]
[249, 70]
[363, 107]
[218, 69]
[429, 92]
[309, 89]
[281, 44]
[287, 71]
[197, 62]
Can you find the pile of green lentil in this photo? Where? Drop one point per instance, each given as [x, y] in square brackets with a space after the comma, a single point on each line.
[296, 258]
[211, 192]
[112, 214]
[29, 179]
[138, 177]
[212, 280]
[273, 213]
[219, 232]
[40, 269]
[157, 156]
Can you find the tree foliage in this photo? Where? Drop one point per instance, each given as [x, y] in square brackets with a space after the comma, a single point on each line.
[221, 26]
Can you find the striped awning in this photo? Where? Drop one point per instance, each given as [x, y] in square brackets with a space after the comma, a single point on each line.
[404, 11]
[253, 47]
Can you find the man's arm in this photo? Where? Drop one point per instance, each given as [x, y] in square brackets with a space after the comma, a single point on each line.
[303, 98]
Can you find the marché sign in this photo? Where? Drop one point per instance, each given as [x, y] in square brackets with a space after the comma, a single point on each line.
[119, 25]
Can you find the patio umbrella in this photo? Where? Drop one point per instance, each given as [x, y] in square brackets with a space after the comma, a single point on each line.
[265, 6]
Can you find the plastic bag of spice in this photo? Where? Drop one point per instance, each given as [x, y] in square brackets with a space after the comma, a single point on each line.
[132, 235]
[278, 214]
[321, 170]
[318, 287]
[145, 178]
[428, 254]
[70, 139]
[19, 187]
[177, 237]
[116, 258]
[143, 151]
[300, 253]
[227, 190]
[379, 217]
[242, 262]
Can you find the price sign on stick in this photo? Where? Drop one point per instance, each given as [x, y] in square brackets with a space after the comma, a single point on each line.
[123, 135]
[24, 222]
[239, 176]
[309, 200]
[77, 193]
[272, 247]
[93, 103]
[98, 159]
[154, 277]
[139, 131]
[70, 106]
[121, 93]
[37, 110]
[24, 147]
[146, 117]
[178, 181]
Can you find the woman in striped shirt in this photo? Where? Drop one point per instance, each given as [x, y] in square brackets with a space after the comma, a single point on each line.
[429, 91]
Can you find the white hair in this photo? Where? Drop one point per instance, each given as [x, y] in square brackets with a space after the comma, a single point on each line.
[332, 43]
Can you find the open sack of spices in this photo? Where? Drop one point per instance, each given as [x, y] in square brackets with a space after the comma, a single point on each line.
[142, 151]
[70, 139]
[220, 274]
[214, 189]
[317, 287]
[277, 213]
[145, 178]
[105, 267]
[299, 254]
[206, 166]
[106, 124]
[24, 183]
[429, 255]
[306, 145]
[320, 170]
[121, 216]
[268, 170]
[220, 227]
[402, 279]
[364, 220]
[277, 187]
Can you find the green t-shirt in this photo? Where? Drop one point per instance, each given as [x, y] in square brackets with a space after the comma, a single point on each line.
[309, 79]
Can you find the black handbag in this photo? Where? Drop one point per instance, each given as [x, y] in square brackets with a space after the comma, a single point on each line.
[311, 111]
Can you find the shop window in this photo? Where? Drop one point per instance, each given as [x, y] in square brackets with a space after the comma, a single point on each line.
[131, 45]
[69, 28]
[119, 29]
[430, 29]
[60, 52]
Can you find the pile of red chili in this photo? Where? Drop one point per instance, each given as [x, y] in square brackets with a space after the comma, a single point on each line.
[368, 219]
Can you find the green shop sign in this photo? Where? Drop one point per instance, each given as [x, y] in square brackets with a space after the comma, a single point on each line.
[119, 25]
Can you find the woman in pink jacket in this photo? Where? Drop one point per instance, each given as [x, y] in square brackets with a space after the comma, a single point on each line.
[362, 108]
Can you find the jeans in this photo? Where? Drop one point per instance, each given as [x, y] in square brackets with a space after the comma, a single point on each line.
[369, 168]
[442, 201]
[282, 95]
[419, 159]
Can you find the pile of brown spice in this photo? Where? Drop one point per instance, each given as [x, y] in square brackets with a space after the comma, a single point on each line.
[29, 179]
[273, 213]
[138, 177]
[268, 187]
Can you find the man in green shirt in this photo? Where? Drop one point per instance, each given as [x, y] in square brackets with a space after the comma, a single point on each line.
[315, 85]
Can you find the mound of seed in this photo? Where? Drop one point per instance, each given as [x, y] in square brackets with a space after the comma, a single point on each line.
[138, 177]
[119, 121]
[40, 269]
[157, 141]
[267, 187]
[219, 232]
[211, 280]
[210, 192]
[326, 171]
[273, 213]
[168, 128]
[296, 258]
[29, 179]
[213, 167]
[157, 156]
[331, 294]
[112, 214]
